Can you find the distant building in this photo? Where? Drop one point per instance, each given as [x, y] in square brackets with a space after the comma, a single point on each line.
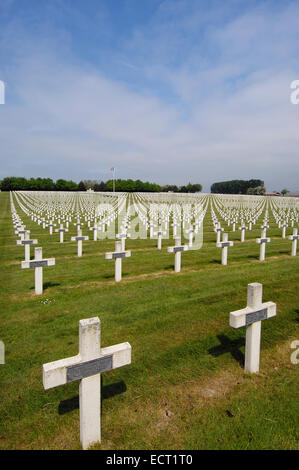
[90, 190]
[273, 193]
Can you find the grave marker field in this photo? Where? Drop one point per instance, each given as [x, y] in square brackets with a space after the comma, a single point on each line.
[186, 387]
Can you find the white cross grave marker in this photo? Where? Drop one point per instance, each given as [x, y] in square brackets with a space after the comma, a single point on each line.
[159, 234]
[218, 230]
[191, 232]
[61, 231]
[95, 231]
[224, 245]
[262, 241]
[243, 228]
[27, 242]
[21, 232]
[123, 237]
[79, 238]
[51, 225]
[118, 254]
[251, 317]
[177, 250]
[284, 226]
[38, 263]
[294, 239]
[87, 367]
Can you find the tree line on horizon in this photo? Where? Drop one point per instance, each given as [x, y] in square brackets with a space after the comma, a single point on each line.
[14, 183]
[253, 186]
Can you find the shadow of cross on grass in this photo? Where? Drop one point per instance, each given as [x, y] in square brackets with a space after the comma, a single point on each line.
[46, 285]
[107, 391]
[229, 345]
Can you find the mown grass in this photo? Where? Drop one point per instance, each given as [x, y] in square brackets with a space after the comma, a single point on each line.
[186, 387]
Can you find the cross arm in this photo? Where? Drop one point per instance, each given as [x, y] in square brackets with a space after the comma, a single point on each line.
[73, 368]
[54, 373]
[175, 249]
[27, 242]
[263, 240]
[223, 244]
[118, 254]
[249, 315]
[37, 263]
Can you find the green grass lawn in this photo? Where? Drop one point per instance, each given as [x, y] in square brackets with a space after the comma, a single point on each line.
[185, 388]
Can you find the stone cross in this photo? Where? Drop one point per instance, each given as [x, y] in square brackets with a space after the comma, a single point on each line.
[294, 239]
[262, 241]
[177, 250]
[87, 367]
[27, 242]
[123, 237]
[79, 239]
[250, 221]
[284, 226]
[151, 227]
[251, 317]
[175, 226]
[21, 232]
[264, 227]
[78, 225]
[61, 231]
[159, 234]
[117, 255]
[218, 230]
[191, 232]
[224, 245]
[95, 231]
[51, 225]
[38, 263]
[243, 228]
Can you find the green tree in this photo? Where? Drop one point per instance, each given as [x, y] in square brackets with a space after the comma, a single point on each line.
[81, 186]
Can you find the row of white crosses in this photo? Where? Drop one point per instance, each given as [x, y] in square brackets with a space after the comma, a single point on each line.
[262, 240]
[224, 244]
[64, 215]
[38, 263]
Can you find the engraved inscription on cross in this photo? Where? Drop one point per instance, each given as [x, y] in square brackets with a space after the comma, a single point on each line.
[87, 367]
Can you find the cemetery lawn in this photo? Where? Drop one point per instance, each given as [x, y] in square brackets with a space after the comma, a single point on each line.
[185, 388]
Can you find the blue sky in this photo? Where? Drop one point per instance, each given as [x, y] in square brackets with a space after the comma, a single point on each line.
[164, 90]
